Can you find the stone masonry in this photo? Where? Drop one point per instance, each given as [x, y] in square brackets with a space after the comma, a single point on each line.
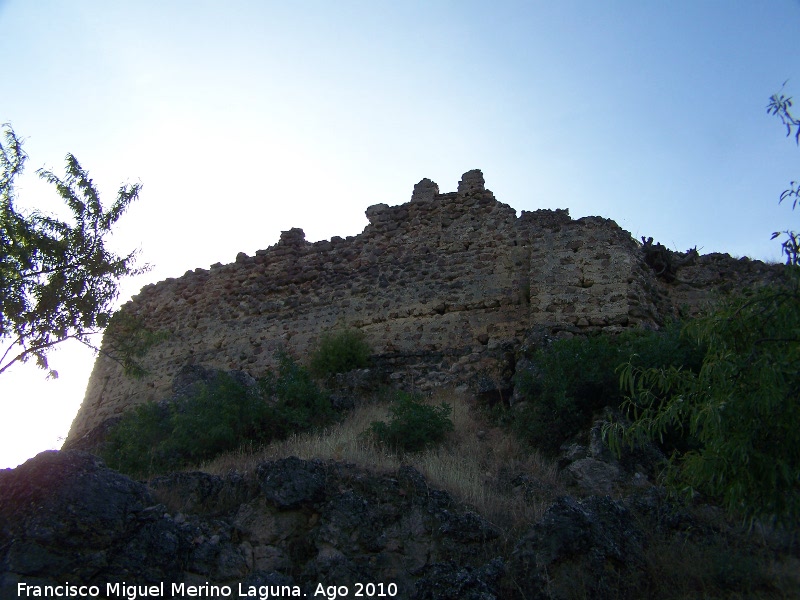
[446, 288]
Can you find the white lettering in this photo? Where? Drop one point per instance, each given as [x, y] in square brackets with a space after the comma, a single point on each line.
[265, 592]
[200, 591]
[332, 591]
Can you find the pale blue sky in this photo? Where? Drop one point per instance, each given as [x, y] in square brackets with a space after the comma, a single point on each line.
[243, 119]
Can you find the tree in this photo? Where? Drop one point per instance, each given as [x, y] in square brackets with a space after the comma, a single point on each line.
[779, 105]
[742, 410]
[58, 281]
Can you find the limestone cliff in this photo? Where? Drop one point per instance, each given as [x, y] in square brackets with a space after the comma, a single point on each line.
[445, 287]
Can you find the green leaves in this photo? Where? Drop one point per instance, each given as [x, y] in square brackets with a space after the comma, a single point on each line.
[779, 105]
[218, 416]
[339, 352]
[57, 279]
[413, 425]
[743, 406]
[576, 378]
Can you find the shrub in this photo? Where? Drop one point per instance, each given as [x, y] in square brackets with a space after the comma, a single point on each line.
[135, 444]
[339, 352]
[743, 406]
[299, 404]
[413, 425]
[218, 418]
[221, 416]
[575, 378]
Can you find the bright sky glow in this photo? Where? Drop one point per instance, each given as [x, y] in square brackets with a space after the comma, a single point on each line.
[243, 119]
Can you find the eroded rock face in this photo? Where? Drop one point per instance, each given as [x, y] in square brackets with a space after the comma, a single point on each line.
[586, 546]
[65, 516]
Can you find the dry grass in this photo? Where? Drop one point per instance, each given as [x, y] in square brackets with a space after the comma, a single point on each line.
[475, 464]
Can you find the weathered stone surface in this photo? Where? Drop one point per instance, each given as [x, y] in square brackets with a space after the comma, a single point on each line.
[591, 544]
[292, 482]
[595, 476]
[448, 581]
[445, 288]
[65, 516]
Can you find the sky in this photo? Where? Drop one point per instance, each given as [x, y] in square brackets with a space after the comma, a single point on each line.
[245, 119]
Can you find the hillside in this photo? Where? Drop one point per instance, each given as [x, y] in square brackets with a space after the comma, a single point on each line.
[458, 452]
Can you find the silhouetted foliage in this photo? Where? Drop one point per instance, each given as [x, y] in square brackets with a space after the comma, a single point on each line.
[57, 279]
[780, 105]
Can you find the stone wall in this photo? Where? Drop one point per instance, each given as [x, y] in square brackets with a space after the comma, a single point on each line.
[445, 287]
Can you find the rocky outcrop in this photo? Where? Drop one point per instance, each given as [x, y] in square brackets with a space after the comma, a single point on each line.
[295, 525]
[445, 288]
[65, 517]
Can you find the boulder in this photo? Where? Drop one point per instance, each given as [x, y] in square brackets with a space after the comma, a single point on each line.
[591, 545]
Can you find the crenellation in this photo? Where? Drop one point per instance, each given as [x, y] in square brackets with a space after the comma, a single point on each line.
[442, 287]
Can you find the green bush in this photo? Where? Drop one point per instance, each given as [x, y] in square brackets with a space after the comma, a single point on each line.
[214, 420]
[299, 404]
[136, 445]
[339, 352]
[743, 406]
[413, 425]
[573, 379]
[220, 416]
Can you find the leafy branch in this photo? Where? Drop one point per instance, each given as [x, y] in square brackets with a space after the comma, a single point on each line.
[58, 281]
[780, 105]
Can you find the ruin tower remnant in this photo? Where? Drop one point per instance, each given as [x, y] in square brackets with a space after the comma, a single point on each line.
[446, 288]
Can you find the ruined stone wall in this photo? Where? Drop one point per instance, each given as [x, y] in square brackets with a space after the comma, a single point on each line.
[444, 287]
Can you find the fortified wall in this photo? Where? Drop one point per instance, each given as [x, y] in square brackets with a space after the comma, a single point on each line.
[447, 288]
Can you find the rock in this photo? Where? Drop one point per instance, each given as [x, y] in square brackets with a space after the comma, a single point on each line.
[202, 493]
[49, 497]
[596, 537]
[425, 191]
[571, 452]
[448, 581]
[471, 182]
[597, 446]
[524, 368]
[290, 482]
[359, 382]
[595, 476]
[467, 527]
[65, 515]
[94, 439]
[491, 391]
[377, 213]
[191, 378]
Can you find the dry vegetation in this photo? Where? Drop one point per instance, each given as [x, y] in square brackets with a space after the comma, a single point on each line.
[475, 465]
